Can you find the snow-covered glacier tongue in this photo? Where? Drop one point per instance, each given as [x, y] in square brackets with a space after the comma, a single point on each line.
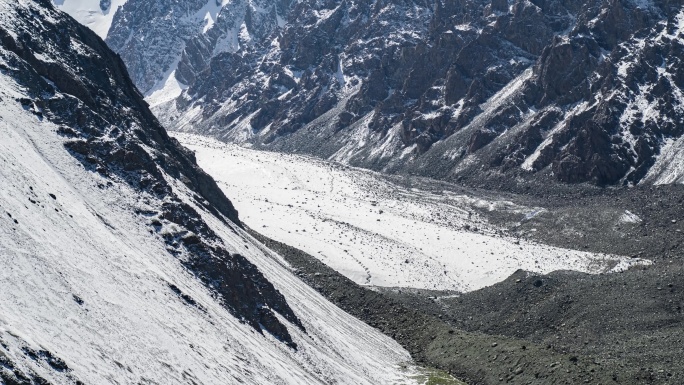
[123, 262]
[381, 233]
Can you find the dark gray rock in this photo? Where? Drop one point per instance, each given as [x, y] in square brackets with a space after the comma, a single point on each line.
[105, 5]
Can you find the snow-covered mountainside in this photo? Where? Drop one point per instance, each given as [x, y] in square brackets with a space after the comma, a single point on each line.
[574, 90]
[123, 262]
[95, 14]
[379, 233]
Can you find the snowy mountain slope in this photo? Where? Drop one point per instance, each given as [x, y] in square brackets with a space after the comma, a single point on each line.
[121, 261]
[378, 233]
[94, 14]
[80, 85]
[96, 289]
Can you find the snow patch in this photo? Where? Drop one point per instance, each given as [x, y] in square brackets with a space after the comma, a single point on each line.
[228, 42]
[167, 90]
[630, 217]
[669, 165]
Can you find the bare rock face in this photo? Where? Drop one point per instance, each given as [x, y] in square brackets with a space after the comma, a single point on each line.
[421, 87]
[75, 81]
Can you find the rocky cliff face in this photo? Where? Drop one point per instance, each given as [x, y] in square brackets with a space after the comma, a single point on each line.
[601, 104]
[575, 89]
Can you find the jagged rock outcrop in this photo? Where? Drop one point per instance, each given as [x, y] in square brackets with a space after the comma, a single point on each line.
[519, 89]
[600, 104]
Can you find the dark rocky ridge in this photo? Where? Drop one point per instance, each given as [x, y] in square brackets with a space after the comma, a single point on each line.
[629, 322]
[108, 127]
[407, 86]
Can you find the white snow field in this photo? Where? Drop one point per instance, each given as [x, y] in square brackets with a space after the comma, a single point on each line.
[89, 13]
[377, 233]
[86, 244]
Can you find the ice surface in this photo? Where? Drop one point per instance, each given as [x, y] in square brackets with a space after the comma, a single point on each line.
[375, 232]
